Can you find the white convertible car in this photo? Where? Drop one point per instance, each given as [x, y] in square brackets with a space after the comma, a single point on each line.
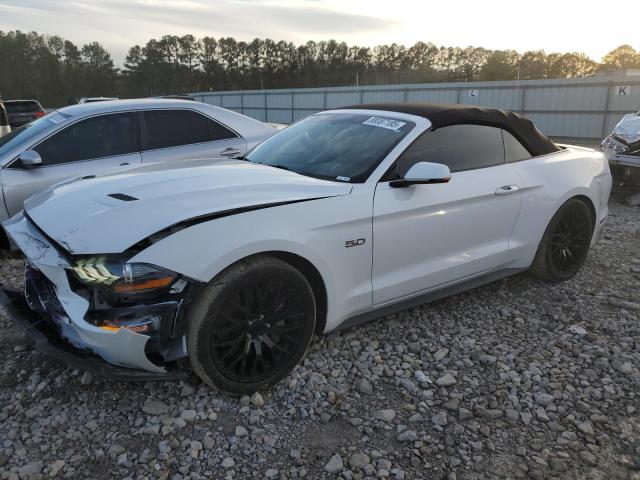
[228, 268]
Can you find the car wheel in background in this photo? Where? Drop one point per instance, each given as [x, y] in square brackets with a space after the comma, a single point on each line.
[251, 325]
[565, 243]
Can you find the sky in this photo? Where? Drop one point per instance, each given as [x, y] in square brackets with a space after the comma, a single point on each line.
[553, 25]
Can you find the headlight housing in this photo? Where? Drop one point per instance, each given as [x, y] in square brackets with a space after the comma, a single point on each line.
[121, 276]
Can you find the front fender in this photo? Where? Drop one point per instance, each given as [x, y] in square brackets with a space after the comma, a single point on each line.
[316, 231]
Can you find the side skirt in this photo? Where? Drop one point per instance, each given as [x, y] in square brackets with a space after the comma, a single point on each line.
[427, 297]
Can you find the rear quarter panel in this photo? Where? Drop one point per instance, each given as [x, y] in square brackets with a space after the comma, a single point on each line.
[547, 182]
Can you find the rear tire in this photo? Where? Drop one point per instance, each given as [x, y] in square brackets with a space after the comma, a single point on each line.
[565, 244]
[251, 325]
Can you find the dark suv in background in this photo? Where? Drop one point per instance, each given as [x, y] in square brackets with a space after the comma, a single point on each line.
[23, 111]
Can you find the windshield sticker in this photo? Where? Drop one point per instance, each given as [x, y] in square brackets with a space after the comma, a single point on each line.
[382, 122]
[343, 179]
[56, 118]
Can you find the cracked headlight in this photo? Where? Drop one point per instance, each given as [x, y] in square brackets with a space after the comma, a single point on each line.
[122, 277]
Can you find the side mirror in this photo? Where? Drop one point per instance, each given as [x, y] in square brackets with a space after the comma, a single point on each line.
[423, 173]
[30, 159]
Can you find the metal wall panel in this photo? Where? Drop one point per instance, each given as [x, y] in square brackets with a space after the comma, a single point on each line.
[582, 108]
[314, 100]
[253, 100]
[342, 99]
[432, 96]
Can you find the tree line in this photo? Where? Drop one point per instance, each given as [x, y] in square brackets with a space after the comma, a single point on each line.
[54, 70]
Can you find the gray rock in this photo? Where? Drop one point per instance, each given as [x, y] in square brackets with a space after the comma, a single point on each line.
[633, 200]
[408, 436]
[155, 407]
[30, 469]
[364, 387]
[187, 390]
[228, 463]
[588, 458]
[440, 354]
[626, 368]
[208, 442]
[271, 473]
[446, 380]
[188, 415]
[56, 467]
[493, 414]
[334, 465]
[586, 428]
[578, 330]
[464, 414]
[543, 399]
[257, 400]
[241, 431]
[490, 359]
[86, 378]
[357, 461]
[616, 302]
[439, 419]
[386, 415]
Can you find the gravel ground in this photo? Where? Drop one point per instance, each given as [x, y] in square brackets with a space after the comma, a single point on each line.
[517, 379]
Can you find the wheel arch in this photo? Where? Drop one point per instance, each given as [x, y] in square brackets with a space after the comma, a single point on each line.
[589, 203]
[313, 276]
[308, 270]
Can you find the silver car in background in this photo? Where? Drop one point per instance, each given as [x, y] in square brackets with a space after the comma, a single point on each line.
[82, 140]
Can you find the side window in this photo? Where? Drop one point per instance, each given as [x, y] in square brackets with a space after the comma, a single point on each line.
[97, 137]
[514, 151]
[218, 131]
[460, 147]
[173, 128]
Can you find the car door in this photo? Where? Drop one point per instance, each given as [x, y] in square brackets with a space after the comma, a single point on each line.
[86, 147]
[180, 134]
[429, 236]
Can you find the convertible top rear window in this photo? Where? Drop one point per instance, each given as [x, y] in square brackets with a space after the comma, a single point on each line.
[334, 146]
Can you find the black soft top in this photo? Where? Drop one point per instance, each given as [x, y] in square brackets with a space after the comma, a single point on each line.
[442, 115]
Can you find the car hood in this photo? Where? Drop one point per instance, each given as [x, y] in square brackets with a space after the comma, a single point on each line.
[111, 212]
[628, 129]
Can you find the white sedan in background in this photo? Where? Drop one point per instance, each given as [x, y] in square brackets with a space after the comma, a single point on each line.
[229, 268]
[82, 140]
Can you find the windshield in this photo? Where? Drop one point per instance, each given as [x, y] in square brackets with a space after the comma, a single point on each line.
[24, 134]
[345, 147]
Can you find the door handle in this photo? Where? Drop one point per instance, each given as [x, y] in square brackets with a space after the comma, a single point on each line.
[507, 190]
[122, 164]
[230, 152]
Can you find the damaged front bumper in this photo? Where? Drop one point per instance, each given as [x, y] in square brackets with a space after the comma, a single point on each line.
[56, 317]
[48, 341]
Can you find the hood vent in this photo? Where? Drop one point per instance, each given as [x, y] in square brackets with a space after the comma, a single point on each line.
[122, 196]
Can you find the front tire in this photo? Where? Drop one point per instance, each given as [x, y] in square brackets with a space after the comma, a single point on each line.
[251, 325]
[565, 243]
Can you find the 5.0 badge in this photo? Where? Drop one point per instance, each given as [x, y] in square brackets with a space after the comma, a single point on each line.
[354, 243]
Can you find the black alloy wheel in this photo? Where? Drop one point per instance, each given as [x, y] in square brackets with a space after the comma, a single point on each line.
[258, 330]
[570, 240]
[565, 244]
[251, 325]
